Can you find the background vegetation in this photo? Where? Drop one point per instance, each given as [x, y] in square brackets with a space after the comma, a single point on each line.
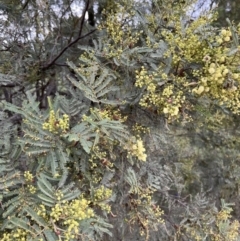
[119, 121]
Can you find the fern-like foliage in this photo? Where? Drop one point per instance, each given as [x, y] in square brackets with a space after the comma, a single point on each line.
[74, 105]
[50, 156]
[23, 210]
[95, 82]
[10, 151]
[36, 141]
[111, 129]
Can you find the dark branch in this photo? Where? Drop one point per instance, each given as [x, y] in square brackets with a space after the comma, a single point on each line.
[17, 118]
[6, 49]
[64, 49]
[10, 85]
[52, 62]
[25, 4]
[83, 18]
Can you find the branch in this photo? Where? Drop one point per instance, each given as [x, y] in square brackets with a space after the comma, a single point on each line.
[9, 85]
[64, 49]
[25, 4]
[83, 18]
[6, 49]
[52, 62]
[15, 118]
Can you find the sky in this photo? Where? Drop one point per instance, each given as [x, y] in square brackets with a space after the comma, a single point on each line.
[202, 6]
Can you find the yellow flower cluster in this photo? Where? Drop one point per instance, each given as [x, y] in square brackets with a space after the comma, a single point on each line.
[139, 129]
[56, 212]
[28, 176]
[145, 79]
[101, 196]
[167, 100]
[225, 36]
[31, 189]
[29, 179]
[219, 79]
[223, 215]
[59, 195]
[186, 44]
[229, 230]
[137, 149]
[112, 114]
[119, 35]
[41, 211]
[71, 213]
[99, 157]
[221, 229]
[15, 235]
[148, 219]
[233, 232]
[56, 124]
[218, 74]
[174, 101]
[77, 211]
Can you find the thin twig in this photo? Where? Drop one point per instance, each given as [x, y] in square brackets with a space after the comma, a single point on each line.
[83, 18]
[64, 49]
[25, 4]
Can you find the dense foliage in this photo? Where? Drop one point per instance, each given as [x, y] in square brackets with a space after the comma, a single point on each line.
[119, 126]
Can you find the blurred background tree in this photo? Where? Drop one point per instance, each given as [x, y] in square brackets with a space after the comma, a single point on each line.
[225, 9]
[228, 9]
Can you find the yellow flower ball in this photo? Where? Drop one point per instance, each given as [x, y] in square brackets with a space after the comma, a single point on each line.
[165, 110]
[224, 32]
[176, 111]
[235, 76]
[207, 89]
[200, 90]
[225, 72]
[227, 39]
[204, 80]
[211, 70]
[212, 65]
[219, 41]
[222, 59]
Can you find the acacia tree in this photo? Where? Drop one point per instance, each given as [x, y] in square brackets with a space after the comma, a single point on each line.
[105, 123]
